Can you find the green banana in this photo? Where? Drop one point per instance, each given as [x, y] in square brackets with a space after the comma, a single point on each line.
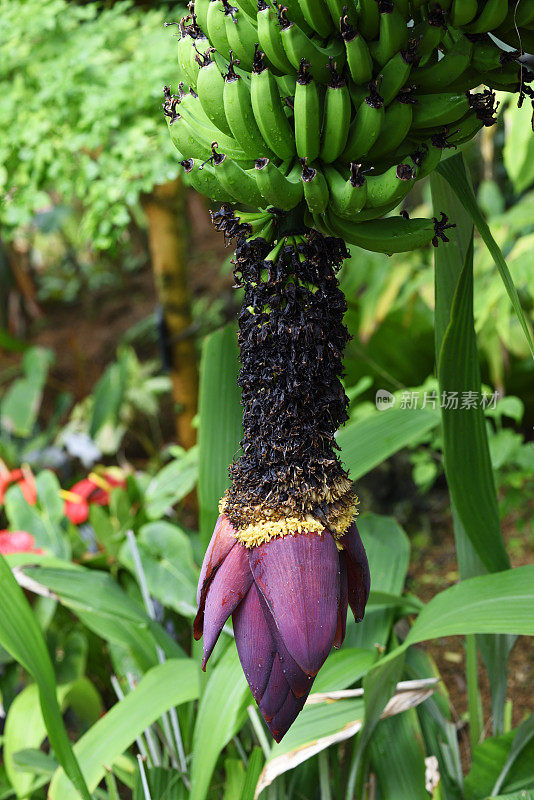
[397, 122]
[368, 19]
[366, 126]
[279, 190]
[237, 181]
[184, 140]
[198, 125]
[463, 12]
[393, 34]
[216, 24]
[269, 38]
[427, 157]
[448, 69]
[347, 197]
[428, 33]
[210, 90]
[317, 16]
[488, 56]
[269, 111]
[307, 111]
[390, 235]
[240, 115]
[201, 13]
[298, 46]
[336, 118]
[359, 59]
[315, 188]
[202, 178]
[248, 7]
[242, 37]
[493, 13]
[394, 75]
[339, 8]
[295, 14]
[434, 110]
[391, 186]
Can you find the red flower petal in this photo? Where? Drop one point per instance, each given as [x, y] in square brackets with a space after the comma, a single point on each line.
[255, 646]
[17, 542]
[276, 691]
[221, 543]
[359, 578]
[343, 602]
[286, 716]
[299, 578]
[77, 512]
[227, 589]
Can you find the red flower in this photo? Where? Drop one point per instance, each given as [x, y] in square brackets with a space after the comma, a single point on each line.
[17, 542]
[94, 489]
[24, 479]
[288, 598]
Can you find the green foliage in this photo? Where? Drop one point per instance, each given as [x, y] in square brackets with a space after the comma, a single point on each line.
[80, 109]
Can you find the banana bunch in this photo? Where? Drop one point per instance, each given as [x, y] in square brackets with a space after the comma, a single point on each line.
[330, 110]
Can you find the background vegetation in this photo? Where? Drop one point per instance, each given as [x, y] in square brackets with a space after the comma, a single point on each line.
[115, 289]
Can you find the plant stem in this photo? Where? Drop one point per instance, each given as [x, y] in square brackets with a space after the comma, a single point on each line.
[324, 775]
[473, 694]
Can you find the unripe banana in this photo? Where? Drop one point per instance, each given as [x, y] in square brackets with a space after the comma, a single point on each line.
[493, 13]
[428, 33]
[201, 13]
[347, 197]
[366, 126]
[397, 123]
[394, 75]
[336, 118]
[463, 12]
[237, 182]
[202, 178]
[389, 187]
[390, 235]
[240, 116]
[317, 16]
[307, 110]
[427, 157]
[281, 191]
[269, 38]
[393, 32]
[204, 130]
[298, 46]
[210, 90]
[216, 24]
[435, 110]
[368, 19]
[359, 59]
[242, 37]
[448, 69]
[487, 56]
[315, 189]
[269, 111]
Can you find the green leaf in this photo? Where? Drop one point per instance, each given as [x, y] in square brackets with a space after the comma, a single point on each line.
[22, 401]
[220, 715]
[397, 758]
[107, 397]
[234, 778]
[367, 443]
[167, 560]
[254, 766]
[344, 667]
[21, 636]
[35, 761]
[453, 170]
[44, 520]
[518, 150]
[220, 423]
[499, 603]
[167, 685]
[523, 737]
[163, 784]
[171, 484]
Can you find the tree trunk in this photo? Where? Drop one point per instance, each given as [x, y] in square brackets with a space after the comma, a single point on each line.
[167, 234]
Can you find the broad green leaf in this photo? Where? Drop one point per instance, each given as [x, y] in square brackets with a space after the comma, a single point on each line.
[397, 758]
[170, 572]
[220, 423]
[450, 264]
[370, 441]
[21, 636]
[465, 446]
[21, 403]
[234, 778]
[523, 737]
[254, 766]
[169, 684]
[102, 605]
[495, 761]
[25, 726]
[453, 170]
[386, 544]
[171, 484]
[499, 603]
[518, 150]
[344, 667]
[35, 762]
[523, 795]
[45, 520]
[220, 715]
[107, 397]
